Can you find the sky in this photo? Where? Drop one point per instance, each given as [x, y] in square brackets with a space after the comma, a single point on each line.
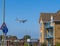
[26, 9]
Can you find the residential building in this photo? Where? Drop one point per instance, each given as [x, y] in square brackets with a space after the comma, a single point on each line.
[50, 28]
[14, 41]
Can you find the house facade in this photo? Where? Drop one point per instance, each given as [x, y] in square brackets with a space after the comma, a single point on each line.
[14, 41]
[50, 28]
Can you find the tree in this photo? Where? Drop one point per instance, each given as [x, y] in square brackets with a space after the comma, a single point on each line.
[27, 37]
[25, 44]
[11, 37]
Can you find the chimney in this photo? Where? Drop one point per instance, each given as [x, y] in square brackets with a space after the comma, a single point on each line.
[51, 20]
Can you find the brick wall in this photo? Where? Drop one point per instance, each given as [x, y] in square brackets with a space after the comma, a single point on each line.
[57, 32]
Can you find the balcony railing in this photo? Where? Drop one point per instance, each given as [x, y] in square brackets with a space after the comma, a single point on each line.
[48, 25]
[49, 35]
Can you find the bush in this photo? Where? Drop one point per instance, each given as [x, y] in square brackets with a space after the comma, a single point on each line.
[25, 44]
[43, 44]
[57, 44]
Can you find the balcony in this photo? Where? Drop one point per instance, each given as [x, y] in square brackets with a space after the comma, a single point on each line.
[49, 35]
[47, 25]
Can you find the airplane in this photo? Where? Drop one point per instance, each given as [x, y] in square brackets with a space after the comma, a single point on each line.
[21, 20]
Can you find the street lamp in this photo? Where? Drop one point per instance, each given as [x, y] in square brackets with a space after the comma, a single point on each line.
[4, 27]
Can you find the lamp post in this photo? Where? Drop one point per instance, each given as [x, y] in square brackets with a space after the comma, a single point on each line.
[3, 17]
[3, 27]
